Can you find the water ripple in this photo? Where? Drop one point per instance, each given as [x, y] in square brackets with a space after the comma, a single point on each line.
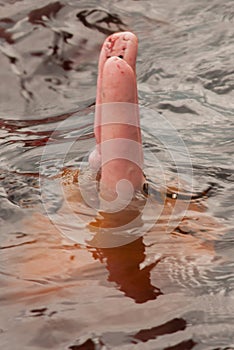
[170, 292]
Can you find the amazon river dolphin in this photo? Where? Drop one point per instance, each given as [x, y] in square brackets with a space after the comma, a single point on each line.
[118, 153]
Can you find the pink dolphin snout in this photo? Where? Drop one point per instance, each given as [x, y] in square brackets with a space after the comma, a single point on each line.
[118, 151]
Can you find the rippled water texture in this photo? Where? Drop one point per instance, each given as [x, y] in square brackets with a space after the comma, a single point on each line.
[162, 291]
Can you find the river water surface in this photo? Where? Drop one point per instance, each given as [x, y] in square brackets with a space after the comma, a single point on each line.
[171, 291]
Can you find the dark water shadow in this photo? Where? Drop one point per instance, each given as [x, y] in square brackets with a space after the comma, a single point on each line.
[143, 336]
[124, 266]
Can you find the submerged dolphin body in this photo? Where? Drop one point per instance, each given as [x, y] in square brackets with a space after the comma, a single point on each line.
[118, 152]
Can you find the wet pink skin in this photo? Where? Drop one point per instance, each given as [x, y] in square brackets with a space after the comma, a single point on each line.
[117, 115]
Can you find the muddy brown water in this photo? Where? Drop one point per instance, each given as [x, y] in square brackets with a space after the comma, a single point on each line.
[162, 290]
